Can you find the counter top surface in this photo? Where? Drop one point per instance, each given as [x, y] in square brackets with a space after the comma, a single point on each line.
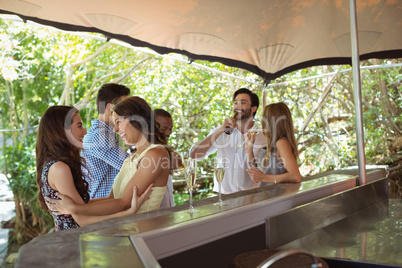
[373, 235]
[206, 207]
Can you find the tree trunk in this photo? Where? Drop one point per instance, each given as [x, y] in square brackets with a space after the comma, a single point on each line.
[387, 105]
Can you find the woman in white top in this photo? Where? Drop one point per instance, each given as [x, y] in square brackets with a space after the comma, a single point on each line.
[148, 164]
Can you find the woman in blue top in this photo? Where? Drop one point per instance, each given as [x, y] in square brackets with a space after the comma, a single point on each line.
[277, 160]
[59, 167]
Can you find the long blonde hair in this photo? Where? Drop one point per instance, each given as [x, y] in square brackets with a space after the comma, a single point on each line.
[277, 123]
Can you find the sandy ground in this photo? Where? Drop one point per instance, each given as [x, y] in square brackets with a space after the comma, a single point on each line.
[6, 213]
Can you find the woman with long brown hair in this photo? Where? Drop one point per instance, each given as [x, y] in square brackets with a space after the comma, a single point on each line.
[277, 160]
[59, 166]
[148, 164]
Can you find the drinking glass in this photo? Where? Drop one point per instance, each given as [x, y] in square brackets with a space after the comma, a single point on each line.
[257, 126]
[219, 171]
[184, 156]
[190, 172]
[254, 130]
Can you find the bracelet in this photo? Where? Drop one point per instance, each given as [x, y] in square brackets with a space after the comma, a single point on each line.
[275, 179]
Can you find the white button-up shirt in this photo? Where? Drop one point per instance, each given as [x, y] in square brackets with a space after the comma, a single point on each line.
[232, 148]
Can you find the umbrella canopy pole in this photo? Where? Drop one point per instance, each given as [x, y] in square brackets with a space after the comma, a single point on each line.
[357, 92]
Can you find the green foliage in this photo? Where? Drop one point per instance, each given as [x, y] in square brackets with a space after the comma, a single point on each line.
[183, 198]
[19, 162]
[20, 168]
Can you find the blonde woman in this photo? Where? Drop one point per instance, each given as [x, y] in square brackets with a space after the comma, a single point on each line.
[276, 162]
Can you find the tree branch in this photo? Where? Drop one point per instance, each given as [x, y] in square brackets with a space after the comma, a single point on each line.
[320, 103]
[65, 96]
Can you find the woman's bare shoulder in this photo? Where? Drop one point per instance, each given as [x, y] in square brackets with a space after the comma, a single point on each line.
[60, 176]
[283, 143]
[158, 151]
[59, 168]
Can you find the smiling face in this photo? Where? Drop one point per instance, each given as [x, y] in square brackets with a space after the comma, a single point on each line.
[77, 131]
[242, 106]
[128, 133]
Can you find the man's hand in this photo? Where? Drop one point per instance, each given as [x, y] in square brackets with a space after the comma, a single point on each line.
[229, 123]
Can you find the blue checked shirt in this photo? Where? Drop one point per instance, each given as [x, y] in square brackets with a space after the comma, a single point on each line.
[104, 158]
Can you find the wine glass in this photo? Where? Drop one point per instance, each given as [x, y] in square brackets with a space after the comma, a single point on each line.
[183, 160]
[254, 130]
[184, 156]
[190, 172]
[219, 170]
[257, 126]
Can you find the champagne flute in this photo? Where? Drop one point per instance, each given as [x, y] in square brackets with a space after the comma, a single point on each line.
[219, 173]
[254, 130]
[190, 172]
[184, 156]
[257, 126]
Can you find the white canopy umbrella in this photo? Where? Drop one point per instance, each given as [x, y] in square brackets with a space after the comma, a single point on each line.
[267, 37]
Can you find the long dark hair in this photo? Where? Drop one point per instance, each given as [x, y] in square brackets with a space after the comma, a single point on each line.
[53, 144]
[141, 116]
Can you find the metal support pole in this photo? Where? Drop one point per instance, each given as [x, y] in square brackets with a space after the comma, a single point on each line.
[357, 92]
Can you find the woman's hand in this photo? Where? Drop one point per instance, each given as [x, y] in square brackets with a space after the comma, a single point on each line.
[255, 174]
[59, 207]
[250, 140]
[137, 201]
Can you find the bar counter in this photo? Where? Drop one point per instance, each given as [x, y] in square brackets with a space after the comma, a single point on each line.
[372, 236]
[160, 238]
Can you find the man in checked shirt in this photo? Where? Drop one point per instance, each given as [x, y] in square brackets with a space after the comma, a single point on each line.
[103, 155]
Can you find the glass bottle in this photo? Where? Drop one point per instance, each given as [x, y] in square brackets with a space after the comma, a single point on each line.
[229, 130]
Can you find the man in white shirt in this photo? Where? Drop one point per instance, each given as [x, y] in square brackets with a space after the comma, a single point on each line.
[231, 146]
